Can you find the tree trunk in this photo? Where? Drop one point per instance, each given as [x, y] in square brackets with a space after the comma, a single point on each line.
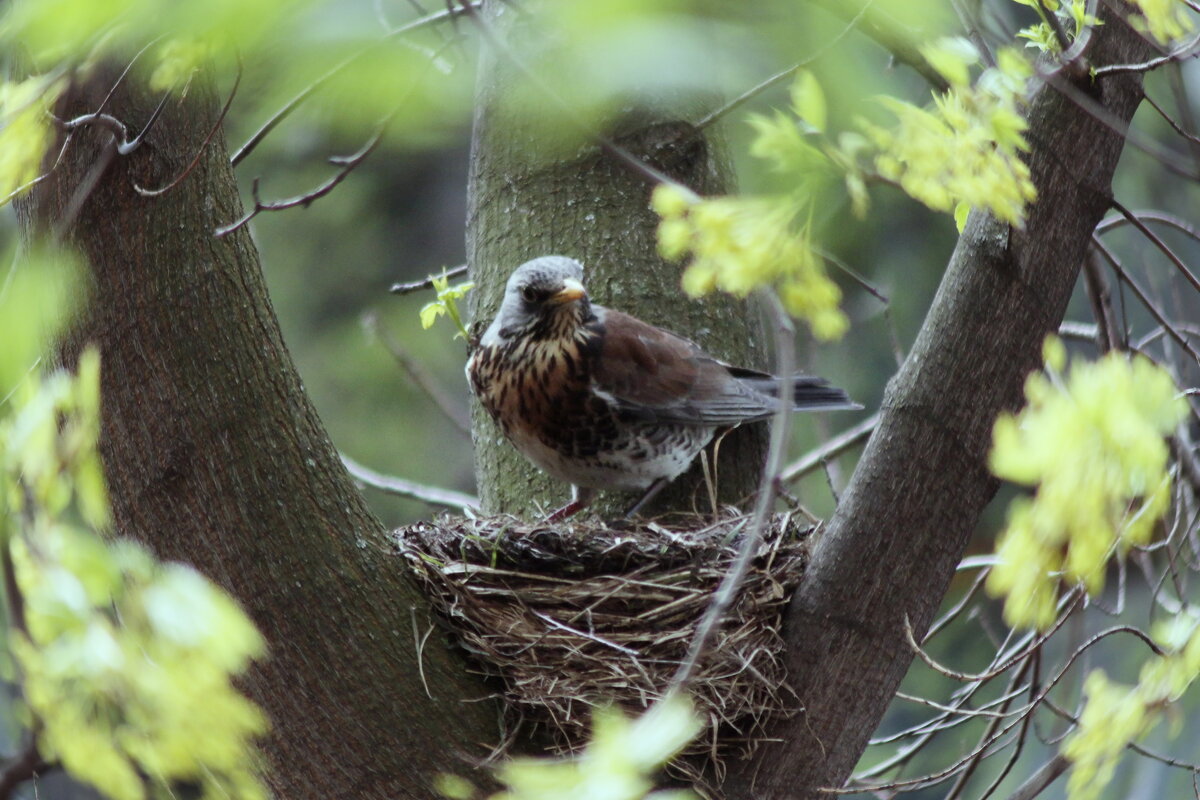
[215, 456]
[534, 192]
[890, 550]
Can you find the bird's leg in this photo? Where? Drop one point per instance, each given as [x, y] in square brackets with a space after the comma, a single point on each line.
[654, 489]
[581, 498]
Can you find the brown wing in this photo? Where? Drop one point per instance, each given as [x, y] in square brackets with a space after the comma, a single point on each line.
[653, 374]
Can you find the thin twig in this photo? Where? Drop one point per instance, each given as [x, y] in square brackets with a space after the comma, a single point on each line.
[1039, 781]
[1134, 746]
[420, 376]
[348, 164]
[993, 670]
[957, 714]
[782, 75]
[785, 354]
[1051, 19]
[1182, 54]
[1127, 279]
[125, 72]
[831, 449]
[26, 187]
[1187, 120]
[1100, 296]
[881, 27]
[853, 275]
[1038, 701]
[26, 765]
[283, 113]
[1162, 112]
[427, 283]
[216, 126]
[84, 190]
[124, 145]
[974, 28]
[1158, 243]
[1166, 157]
[1034, 662]
[1150, 215]
[954, 710]
[419, 645]
[434, 496]
[957, 608]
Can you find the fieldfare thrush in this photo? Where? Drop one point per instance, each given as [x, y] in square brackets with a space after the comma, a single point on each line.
[602, 400]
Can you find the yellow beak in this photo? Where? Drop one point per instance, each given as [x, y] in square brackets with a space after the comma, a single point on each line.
[572, 290]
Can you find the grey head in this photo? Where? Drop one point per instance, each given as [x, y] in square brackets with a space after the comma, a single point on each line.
[538, 292]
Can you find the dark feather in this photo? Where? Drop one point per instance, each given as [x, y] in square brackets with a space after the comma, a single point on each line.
[653, 375]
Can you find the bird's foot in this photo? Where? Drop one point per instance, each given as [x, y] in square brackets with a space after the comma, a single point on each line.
[581, 498]
[569, 510]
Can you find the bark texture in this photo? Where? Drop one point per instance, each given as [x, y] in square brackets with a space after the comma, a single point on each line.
[533, 191]
[890, 550]
[215, 456]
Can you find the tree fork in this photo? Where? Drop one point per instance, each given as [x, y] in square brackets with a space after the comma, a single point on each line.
[215, 456]
[891, 548]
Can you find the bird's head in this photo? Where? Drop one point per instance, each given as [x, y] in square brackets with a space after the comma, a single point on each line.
[543, 298]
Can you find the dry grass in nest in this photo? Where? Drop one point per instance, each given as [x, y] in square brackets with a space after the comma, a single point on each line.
[580, 615]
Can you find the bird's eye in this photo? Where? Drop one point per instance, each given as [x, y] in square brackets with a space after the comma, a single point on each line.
[528, 294]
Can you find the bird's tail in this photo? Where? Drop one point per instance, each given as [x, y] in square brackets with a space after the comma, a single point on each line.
[814, 393]
[809, 393]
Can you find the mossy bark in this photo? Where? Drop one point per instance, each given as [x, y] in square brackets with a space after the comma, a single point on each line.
[215, 457]
[540, 187]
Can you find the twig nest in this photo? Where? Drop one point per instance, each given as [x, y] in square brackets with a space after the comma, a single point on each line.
[580, 615]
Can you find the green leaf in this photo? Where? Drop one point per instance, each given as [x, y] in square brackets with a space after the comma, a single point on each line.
[430, 312]
[808, 101]
[953, 58]
[961, 212]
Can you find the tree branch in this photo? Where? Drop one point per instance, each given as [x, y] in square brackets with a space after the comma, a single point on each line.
[26, 765]
[447, 498]
[449, 13]
[893, 544]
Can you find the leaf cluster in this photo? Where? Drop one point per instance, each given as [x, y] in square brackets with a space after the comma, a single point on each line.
[739, 243]
[446, 303]
[966, 150]
[1115, 715]
[126, 663]
[1092, 444]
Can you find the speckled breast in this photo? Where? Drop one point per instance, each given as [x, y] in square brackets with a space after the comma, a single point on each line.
[539, 393]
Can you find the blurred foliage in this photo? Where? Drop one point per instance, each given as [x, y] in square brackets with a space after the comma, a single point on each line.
[25, 130]
[1165, 20]
[964, 153]
[125, 664]
[740, 243]
[618, 762]
[1116, 715]
[1093, 445]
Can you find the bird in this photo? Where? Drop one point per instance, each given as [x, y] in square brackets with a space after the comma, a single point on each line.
[604, 401]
